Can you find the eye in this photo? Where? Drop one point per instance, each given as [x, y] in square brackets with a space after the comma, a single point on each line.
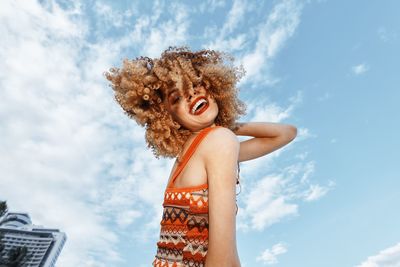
[175, 99]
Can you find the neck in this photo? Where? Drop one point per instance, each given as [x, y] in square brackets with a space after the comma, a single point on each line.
[196, 132]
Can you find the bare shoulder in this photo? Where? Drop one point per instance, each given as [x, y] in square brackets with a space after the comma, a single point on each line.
[219, 142]
[221, 137]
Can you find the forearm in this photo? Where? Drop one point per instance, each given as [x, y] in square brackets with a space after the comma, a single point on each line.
[265, 129]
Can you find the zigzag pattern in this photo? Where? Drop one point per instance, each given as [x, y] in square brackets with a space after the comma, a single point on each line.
[199, 203]
[165, 263]
[168, 252]
[172, 239]
[184, 230]
[201, 224]
[198, 240]
[173, 229]
[175, 214]
[194, 249]
[176, 195]
[192, 263]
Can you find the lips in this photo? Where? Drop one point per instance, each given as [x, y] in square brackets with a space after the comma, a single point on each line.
[197, 112]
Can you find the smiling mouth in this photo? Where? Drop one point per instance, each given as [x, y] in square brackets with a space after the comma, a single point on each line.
[199, 106]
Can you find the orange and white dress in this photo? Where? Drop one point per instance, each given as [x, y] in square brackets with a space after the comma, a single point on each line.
[184, 226]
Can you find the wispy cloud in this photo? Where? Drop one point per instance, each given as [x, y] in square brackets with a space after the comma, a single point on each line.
[389, 257]
[57, 145]
[360, 69]
[158, 35]
[275, 197]
[316, 191]
[268, 36]
[267, 203]
[278, 27]
[108, 17]
[324, 97]
[211, 5]
[225, 40]
[261, 110]
[270, 256]
[386, 35]
[275, 194]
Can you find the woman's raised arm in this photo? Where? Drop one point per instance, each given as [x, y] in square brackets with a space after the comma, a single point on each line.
[268, 137]
[222, 151]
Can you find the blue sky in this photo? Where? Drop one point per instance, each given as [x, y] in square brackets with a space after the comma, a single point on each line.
[74, 161]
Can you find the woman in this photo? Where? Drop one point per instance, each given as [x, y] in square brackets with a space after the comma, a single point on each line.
[187, 101]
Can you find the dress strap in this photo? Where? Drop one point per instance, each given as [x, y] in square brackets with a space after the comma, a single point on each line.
[190, 151]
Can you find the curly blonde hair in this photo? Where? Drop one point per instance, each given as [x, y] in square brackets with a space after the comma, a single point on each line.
[140, 87]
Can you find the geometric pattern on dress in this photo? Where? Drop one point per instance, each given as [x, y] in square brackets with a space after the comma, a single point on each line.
[200, 223]
[199, 203]
[175, 239]
[194, 249]
[168, 252]
[165, 263]
[176, 195]
[192, 263]
[184, 230]
[171, 229]
[198, 240]
[173, 214]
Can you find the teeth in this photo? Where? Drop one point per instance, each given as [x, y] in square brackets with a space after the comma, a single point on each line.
[198, 103]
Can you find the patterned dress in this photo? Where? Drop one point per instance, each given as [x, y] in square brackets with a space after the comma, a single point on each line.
[184, 226]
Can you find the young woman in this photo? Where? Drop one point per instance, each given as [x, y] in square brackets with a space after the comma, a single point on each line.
[187, 101]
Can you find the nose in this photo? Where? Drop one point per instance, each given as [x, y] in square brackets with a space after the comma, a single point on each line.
[193, 92]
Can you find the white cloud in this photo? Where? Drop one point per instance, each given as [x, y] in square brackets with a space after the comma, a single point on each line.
[325, 96]
[386, 35]
[389, 257]
[225, 40]
[266, 202]
[303, 133]
[270, 256]
[302, 156]
[66, 150]
[211, 5]
[271, 112]
[360, 69]
[107, 16]
[315, 192]
[228, 44]
[235, 16]
[160, 35]
[274, 197]
[279, 26]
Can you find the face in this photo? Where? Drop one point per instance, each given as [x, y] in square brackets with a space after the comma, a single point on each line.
[194, 113]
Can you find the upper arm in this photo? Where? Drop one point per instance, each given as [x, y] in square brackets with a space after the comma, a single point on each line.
[221, 158]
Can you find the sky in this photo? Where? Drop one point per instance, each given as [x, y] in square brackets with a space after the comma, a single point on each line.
[74, 161]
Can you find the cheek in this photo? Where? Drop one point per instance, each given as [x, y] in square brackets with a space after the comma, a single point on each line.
[215, 104]
[177, 112]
